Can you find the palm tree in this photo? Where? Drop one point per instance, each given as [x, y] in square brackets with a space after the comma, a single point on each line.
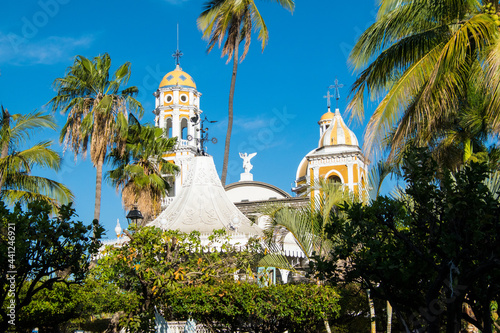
[17, 183]
[420, 56]
[233, 20]
[462, 138]
[140, 171]
[306, 224]
[376, 177]
[97, 109]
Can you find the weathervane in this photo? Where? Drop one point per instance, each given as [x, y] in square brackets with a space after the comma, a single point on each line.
[328, 96]
[336, 86]
[204, 132]
[178, 54]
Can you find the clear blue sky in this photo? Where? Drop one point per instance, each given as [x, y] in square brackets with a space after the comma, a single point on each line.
[279, 93]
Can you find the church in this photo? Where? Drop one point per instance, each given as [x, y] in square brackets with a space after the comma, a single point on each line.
[198, 201]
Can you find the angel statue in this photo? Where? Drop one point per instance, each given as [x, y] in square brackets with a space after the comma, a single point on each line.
[246, 161]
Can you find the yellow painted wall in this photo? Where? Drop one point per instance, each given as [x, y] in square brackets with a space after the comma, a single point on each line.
[342, 169]
[183, 93]
[165, 98]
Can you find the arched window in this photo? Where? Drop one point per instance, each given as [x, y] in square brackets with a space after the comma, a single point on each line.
[169, 128]
[184, 125]
[335, 179]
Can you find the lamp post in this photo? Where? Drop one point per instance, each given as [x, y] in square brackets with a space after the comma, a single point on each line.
[134, 216]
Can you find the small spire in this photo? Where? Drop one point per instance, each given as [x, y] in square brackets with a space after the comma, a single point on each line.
[336, 86]
[178, 54]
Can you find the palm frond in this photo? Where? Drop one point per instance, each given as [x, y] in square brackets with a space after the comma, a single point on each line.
[377, 175]
[24, 188]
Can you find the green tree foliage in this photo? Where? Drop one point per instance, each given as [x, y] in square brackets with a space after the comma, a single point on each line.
[244, 307]
[97, 109]
[140, 170]
[154, 262]
[421, 57]
[17, 183]
[428, 253]
[37, 252]
[354, 312]
[308, 226]
[66, 307]
[234, 21]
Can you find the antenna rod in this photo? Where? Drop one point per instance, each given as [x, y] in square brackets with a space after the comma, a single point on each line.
[178, 54]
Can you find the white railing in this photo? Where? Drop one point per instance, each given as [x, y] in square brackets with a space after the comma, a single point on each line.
[179, 326]
[182, 143]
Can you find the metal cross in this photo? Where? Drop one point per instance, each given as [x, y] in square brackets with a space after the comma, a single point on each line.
[177, 55]
[336, 86]
[328, 96]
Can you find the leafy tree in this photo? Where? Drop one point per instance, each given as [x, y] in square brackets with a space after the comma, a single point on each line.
[97, 109]
[234, 307]
[428, 253]
[308, 227]
[77, 306]
[233, 20]
[37, 252]
[354, 312]
[140, 170]
[154, 262]
[422, 57]
[17, 183]
[50, 308]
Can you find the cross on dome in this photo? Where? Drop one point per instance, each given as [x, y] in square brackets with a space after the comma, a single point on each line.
[177, 55]
[328, 96]
[336, 86]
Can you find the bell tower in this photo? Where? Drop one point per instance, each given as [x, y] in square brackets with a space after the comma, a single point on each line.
[177, 105]
[177, 111]
[337, 158]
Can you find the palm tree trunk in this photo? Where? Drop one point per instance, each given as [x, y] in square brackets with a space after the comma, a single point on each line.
[230, 114]
[98, 187]
[5, 143]
[372, 312]
[327, 326]
[389, 317]
[5, 152]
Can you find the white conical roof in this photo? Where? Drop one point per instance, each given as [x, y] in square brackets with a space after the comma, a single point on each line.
[203, 205]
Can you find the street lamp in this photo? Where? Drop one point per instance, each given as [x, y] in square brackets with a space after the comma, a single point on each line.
[134, 216]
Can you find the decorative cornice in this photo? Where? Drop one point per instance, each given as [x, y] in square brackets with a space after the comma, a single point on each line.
[178, 88]
[256, 184]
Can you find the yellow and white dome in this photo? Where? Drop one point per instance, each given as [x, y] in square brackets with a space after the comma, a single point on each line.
[177, 77]
[327, 116]
[302, 169]
[337, 133]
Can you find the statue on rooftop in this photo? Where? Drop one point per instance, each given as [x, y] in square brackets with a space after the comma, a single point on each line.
[246, 161]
